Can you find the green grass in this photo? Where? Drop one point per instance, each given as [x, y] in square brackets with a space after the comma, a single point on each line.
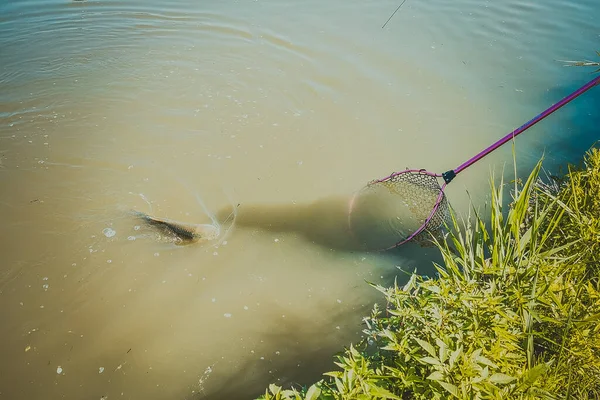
[513, 314]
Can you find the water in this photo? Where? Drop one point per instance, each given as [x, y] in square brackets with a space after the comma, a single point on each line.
[288, 107]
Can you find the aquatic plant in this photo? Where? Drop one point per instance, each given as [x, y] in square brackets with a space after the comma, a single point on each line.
[512, 314]
[585, 63]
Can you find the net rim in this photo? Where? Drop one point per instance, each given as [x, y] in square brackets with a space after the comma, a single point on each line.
[435, 208]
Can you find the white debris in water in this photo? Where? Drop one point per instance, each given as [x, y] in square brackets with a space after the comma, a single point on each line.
[45, 286]
[337, 327]
[300, 162]
[100, 370]
[156, 254]
[215, 253]
[108, 232]
[277, 352]
[245, 307]
[339, 301]
[59, 370]
[224, 243]
[130, 237]
[136, 228]
[227, 315]
[109, 261]
[214, 300]
[45, 278]
[276, 240]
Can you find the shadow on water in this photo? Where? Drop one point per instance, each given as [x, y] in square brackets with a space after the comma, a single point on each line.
[323, 222]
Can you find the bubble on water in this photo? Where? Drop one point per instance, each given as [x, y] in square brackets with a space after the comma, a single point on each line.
[136, 228]
[227, 315]
[45, 286]
[108, 232]
[245, 307]
[59, 370]
[100, 370]
[156, 254]
[339, 301]
[214, 300]
[130, 237]
[109, 261]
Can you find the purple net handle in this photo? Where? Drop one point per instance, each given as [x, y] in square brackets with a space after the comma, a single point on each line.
[528, 125]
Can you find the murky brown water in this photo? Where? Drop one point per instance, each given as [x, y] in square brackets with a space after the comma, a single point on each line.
[283, 108]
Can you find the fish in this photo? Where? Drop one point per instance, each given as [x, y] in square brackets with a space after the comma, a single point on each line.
[185, 232]
[188, 233]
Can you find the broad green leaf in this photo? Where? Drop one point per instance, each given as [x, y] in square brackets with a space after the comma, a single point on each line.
[274, 388]
[339, 385]
[501, 378]
[430, 360]
[381, 392]
[428, 347]
[436, 376]
[313, 392]
[532, 375]
[485, 361]
[454, 356]
[443, 350]
[450, 388]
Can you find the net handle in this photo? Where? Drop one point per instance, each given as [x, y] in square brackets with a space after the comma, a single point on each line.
[448, 176]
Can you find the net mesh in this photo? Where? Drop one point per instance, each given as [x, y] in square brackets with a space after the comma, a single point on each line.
[388, 212]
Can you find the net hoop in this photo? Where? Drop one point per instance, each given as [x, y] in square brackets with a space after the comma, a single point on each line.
[440, 198]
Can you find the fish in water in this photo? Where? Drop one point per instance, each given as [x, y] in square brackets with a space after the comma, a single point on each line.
[185, 232]
[188, 233]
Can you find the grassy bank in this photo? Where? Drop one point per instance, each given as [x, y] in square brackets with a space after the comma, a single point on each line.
[512, 314]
